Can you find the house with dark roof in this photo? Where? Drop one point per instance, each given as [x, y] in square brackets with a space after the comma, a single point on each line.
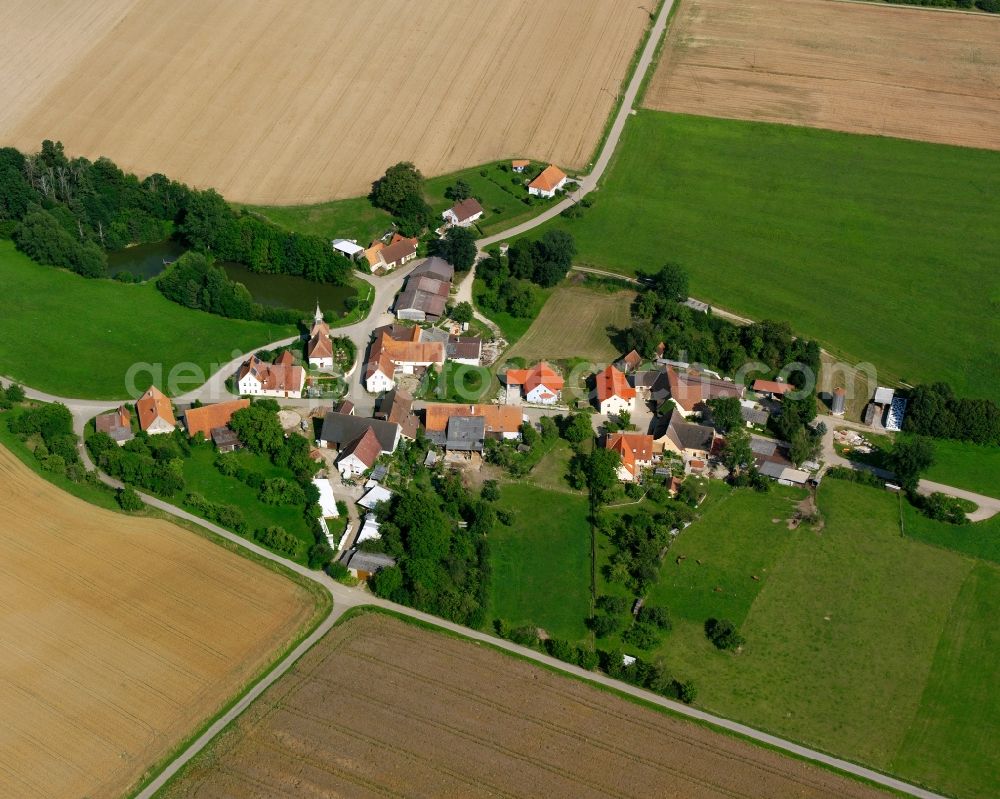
[464, 213]
[466, 350]
[399, 251]
[499, 421]
[364, 564]
[629, 363]
[117, 425]
[397, 407]
[435, 267]
[359, 455]
[424, 299]
[340, 430]
[225, 439]
[465, 434]
[674, 434]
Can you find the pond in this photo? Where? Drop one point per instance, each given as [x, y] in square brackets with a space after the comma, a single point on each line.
[289, 291]
[145, 261]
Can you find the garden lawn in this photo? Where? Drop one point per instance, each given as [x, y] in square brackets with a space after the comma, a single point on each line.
[201, 477]
[844, 637]
[541, 564]
[355, 218]
[76, 337]
[458, 382]
[502, 194]
[884, 250]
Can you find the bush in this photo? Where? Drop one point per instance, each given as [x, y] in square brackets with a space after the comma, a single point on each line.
[723, 634]
[129, 500]
[561, 650]
[615, 605]
[643, 636]
[525, 635]
[655, 616]
[337, 570]
[603, 625]
[490, 491]
[277, 539]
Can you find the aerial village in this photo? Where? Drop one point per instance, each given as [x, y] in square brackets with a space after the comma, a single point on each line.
[655, 415]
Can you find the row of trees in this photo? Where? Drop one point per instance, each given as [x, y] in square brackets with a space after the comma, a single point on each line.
[68, 212]
[934, 410]
[989, 6]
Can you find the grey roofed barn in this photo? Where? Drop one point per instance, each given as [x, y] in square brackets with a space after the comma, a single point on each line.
[340, 429]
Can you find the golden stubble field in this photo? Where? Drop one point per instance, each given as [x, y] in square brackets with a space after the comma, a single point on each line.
[382, 708]
[892, 71]
[118, 637]
[284, 103]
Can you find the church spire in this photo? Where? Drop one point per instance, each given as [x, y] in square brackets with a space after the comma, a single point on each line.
[318, 317]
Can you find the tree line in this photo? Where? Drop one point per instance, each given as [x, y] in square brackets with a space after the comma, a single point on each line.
[69, 212]
[510, 279]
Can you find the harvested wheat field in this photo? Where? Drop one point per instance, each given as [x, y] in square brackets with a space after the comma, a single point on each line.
[283, 103]
[118, 637]
[382, 708]
[892, 71]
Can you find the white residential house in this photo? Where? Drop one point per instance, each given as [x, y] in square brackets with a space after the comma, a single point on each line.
[614, 394]
[464, 213]
[548, 183]
[257, 378]
[540, 385]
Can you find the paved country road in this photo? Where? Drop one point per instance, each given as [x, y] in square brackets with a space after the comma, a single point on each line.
[587, 183]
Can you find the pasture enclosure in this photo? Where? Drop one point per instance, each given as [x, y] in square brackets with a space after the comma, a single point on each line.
[854, 67]
[295, 103]
[119, 636]
[439, 716]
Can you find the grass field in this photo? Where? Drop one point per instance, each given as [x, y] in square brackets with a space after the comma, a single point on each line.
[970, 466]
[979, 540]
[845, 634]
[75, 337]
[573, 324]
[882, 249]
[438, 715]
[201, 476]
[291, 112]
[120, 636]
[355, 218]
[541, 564]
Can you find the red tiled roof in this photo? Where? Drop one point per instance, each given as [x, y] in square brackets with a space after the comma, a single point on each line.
[282, 375]
[632, 448]
[689, 390]
[612, 383]
[499, 418]
[154, 405]
[541, 374]
[205, 419]
[399, 248]
[466, 209]
[550, 178]
[772, 387]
